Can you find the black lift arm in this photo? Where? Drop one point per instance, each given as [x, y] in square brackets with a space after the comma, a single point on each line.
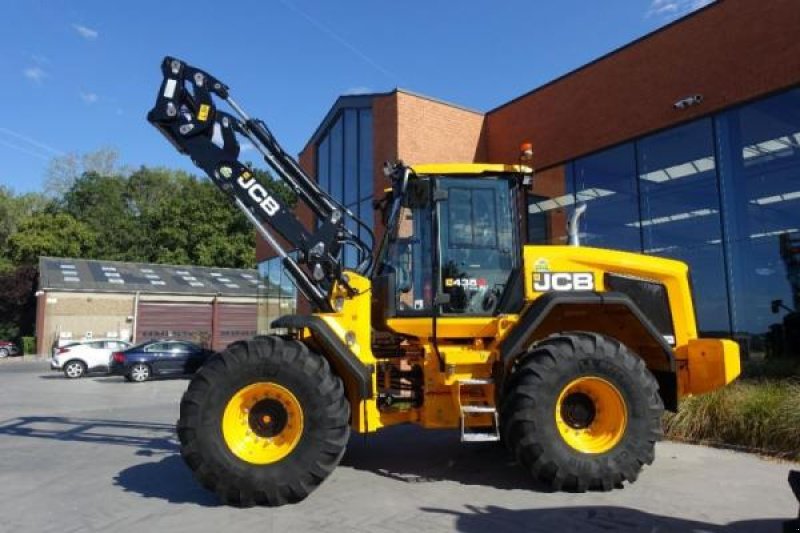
[186, 113]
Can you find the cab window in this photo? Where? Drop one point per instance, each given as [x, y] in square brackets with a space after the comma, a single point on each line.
[478, 250]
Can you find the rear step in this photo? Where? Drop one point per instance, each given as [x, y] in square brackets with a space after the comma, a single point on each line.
[467, 410]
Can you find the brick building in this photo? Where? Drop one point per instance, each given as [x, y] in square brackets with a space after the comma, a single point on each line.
[684, 143]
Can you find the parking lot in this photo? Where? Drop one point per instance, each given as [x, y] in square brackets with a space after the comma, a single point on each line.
[100, 454]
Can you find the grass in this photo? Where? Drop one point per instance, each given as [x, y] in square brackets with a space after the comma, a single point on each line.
[760, 412]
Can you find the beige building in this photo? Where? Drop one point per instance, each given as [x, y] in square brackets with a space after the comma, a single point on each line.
[82, 299]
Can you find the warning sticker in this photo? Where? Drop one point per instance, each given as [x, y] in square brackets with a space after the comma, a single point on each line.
[202, 114]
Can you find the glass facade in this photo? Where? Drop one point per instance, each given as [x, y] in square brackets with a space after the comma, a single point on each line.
[345, 167]
[344, 170]
[277, 295]
[721, 193]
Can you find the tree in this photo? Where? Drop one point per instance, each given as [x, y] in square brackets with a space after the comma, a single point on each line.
[199, 226]
[102, 204]
[64, 170]
[14, 209]
[54, 234]
[18, 304]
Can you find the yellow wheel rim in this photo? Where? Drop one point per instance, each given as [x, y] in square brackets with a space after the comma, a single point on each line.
[591, 415]
[262, 423]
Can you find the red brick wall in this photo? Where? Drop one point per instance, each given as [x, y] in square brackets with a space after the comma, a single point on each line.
[419, 130]
[733, 51]
[434, 132]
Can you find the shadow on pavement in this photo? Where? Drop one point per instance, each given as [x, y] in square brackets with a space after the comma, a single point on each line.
[416, 455]
[168, 479]
[585, 519]
[148, 437]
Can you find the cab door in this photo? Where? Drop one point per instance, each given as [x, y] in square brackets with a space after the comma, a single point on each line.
[478, 245]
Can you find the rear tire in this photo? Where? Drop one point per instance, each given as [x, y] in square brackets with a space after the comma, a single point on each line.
[581, 412]
[139, 373]
[233, 459]
[74, 369]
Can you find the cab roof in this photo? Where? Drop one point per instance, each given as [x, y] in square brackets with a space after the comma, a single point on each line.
[470, 168]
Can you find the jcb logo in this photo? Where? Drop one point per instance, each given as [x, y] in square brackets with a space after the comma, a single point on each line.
[258, 193]
[563, 281]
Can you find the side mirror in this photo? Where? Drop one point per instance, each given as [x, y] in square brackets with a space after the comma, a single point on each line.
[384, 205]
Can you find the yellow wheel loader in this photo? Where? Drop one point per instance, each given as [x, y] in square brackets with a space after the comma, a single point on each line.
[567, 354]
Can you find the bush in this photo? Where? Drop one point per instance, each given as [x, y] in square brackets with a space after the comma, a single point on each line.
[757, 415]
[28, 345]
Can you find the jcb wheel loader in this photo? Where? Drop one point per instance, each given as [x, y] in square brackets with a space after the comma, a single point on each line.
[567, 354]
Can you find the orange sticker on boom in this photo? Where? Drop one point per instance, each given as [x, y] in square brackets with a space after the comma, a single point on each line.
[202, 114]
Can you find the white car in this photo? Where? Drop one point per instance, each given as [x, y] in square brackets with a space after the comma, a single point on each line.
[79, 358]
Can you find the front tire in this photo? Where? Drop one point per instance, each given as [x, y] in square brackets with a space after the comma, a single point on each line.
[264, 422]
[74, 369]
[581, 412]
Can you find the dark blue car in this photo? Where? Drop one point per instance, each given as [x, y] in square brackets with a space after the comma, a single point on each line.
[158, 358]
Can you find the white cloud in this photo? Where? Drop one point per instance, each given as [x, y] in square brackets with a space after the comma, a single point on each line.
[35, 74]
[672, 9]
[88, 97]
[85, 32]
[359, 89]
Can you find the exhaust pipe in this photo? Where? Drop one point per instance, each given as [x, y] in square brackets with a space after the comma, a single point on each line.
[573, 227]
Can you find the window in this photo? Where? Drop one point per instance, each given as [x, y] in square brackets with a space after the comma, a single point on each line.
[336, 155]
[180, 347]
[680, 213]
[472, 218]
[345, 169]
[606, 183]
[549, 203]
[351, 177]
[157, 347]
[478, 245]
[277, 295]
[760, 149]
[409, 257]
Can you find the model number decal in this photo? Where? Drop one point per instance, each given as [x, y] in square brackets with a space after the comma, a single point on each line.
[259, 194]
[563, 281]
[467, 283]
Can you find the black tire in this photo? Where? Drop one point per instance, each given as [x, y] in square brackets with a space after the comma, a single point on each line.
[528, 412]
[139, 373]
[4, 353]
[325, 411]
[74, 369]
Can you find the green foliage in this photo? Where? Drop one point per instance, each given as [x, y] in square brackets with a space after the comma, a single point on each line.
[18, 302]
[96, 210]
[28, 345]
[761, 415]
[57, 234]
[14, 209]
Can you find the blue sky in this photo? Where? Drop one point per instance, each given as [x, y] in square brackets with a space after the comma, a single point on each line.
[78, 76]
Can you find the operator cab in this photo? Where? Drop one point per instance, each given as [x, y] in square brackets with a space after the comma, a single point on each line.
[452, 247]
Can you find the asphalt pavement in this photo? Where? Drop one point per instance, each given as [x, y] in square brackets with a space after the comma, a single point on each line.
[100, 454]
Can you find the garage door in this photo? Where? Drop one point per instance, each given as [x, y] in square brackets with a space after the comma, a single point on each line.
[235, 322]
[178, 321]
